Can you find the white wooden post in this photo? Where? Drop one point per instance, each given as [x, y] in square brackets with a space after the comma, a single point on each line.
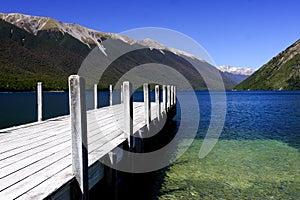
[168, 97]
[95, 96]
[147, 105]
[110, 95]
[128, 111]
[121, 94]
[79, 133]
[157, 102]
[164, 98]
[175, 95]
[172, 95]
[39, 101]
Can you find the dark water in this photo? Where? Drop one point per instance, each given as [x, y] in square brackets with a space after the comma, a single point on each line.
[21, 107]
[257, 115]
[257, 155]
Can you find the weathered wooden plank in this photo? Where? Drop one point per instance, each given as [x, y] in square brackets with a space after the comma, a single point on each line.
[93, 155]
[103, 124]
[16, 173]
[32, 181]
[105, 138]
[23, 131]
[99, 121]
[31, 141]
[50, 186]
[28, 133]
[139, 123]
[32, 152]
[98, 127]
[114, 123]
[13, 152]
[105, 148]
[101, 132]
[109, 130]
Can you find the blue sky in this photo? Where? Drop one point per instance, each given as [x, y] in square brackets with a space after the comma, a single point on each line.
[241, 33]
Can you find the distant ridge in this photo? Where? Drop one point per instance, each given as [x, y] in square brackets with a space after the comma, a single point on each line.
[235, 73]
[282, 72]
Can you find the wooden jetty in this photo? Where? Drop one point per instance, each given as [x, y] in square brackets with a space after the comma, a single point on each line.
[59, 158]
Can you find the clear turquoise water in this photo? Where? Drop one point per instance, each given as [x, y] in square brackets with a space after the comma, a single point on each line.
[256, 157]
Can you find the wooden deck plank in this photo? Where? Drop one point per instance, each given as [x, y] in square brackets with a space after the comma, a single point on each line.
[29, 152]
[49, 186]
[42, 135]
[33, 128]
[29, 130]
[96, 141]
[105, 148]
[105, 139]
[13, 176]
[35, 160]
[39, 145]
[27, 184]
[28, 161]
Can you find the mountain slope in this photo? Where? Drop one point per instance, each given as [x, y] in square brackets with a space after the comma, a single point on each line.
[35, 24]
[43, 49]
[26, 58]
[281, 73]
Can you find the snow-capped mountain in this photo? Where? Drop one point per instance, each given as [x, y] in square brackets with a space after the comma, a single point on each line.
[34, 24]
[152, 44]
[235, 73]
[236, 70]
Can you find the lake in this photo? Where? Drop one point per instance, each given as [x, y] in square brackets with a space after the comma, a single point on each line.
[257, 155]
[21, 107]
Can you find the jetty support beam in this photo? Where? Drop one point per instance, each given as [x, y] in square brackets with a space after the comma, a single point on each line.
[157, 102]
[79, 134]
[39, 101]
[95, 96]
[110, 95]
[128, 112]
[147, 105]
